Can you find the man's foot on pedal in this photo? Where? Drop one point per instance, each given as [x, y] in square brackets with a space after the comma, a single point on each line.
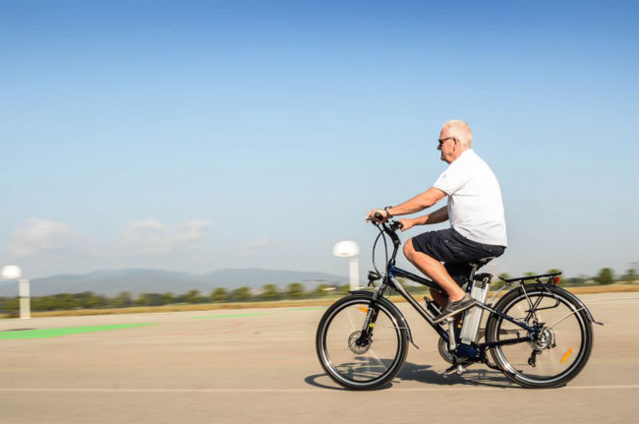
[453, 308]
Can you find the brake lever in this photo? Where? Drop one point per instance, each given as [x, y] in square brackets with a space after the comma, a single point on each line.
[396, 225]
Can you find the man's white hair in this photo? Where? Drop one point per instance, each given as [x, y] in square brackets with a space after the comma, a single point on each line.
[461, 131]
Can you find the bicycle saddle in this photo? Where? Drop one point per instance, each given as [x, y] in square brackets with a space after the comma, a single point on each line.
[480, 262]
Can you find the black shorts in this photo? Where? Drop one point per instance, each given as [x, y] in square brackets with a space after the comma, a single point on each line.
[455, 251]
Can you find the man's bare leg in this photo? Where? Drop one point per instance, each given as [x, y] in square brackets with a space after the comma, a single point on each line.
[435, 271]
[439, 297]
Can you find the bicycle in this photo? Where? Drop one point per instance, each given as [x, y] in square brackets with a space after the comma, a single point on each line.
[538, 334]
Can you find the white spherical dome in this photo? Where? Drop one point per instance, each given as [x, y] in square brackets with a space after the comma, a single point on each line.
[11, 272]
[346, 249]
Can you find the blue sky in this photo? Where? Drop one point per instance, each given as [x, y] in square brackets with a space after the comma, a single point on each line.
[194, 136]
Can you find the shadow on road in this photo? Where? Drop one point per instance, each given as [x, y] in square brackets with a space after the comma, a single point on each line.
[311, 380]
[425, 374]
[475, 375]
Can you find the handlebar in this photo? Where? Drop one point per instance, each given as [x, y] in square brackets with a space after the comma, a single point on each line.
[391, 225]
[390, 228]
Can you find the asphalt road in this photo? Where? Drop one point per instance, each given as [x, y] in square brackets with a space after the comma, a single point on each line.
[260, 366]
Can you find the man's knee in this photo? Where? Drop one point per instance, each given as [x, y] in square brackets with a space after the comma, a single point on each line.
[413, 255]
[409, 250]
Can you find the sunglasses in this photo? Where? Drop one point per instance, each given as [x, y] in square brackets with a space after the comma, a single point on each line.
[443, 140]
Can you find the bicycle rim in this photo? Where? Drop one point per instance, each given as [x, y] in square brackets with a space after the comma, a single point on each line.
[365, 366]
[560, 353]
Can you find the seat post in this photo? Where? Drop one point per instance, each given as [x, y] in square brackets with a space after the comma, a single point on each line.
[473, 269]
[475, 265]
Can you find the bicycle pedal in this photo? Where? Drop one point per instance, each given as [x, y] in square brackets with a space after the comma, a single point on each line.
[450, 369]
[457, 368]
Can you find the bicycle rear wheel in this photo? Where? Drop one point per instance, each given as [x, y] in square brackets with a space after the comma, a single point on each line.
[560, 351]
[368, 365]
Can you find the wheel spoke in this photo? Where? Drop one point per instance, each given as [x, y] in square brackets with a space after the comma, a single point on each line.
[562, 343]
[567, 316]
[365, 365]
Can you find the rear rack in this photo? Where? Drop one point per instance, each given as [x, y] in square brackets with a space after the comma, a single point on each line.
[551, 278]
[522, 280]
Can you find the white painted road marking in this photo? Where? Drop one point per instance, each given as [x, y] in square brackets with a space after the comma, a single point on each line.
[314, 391]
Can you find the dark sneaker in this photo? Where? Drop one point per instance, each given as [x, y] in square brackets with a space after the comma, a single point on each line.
[453, 308]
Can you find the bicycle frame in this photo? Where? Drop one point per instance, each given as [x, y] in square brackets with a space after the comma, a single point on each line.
[390, 281]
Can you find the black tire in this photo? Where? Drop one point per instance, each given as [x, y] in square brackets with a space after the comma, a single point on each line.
[361, 367]
[566, 330]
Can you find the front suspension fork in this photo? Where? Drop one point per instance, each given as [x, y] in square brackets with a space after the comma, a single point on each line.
[369, 325]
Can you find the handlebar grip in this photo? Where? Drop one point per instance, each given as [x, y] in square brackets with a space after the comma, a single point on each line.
[378, 216]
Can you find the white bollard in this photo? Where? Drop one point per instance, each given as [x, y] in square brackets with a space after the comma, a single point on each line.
[354, 273]
[25, 298]
[349, 249]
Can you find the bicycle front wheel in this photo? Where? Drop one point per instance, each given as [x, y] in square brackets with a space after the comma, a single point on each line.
[562, 347]
[349, 361]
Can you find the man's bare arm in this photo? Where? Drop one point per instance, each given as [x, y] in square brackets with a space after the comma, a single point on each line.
[418, 203]
[440, 215]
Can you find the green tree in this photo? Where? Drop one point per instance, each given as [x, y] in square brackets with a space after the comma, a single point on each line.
[168, 298]
[43, 303]
[150, 299]
[90, 300]
[143, 299]
[157, 299]
[605, 276]
[295, 291]
[11, 305]
[575, 281]
[219, 295]
[321, 290]
[193, 296]
[67, 301]
[271, 292]
[123, 300]
[630, 276]
[241, 294]
[93, 301]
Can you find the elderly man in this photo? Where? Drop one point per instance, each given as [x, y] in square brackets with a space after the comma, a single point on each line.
[475, 211]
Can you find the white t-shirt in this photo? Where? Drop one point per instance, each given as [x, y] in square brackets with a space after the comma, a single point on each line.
[475, 207]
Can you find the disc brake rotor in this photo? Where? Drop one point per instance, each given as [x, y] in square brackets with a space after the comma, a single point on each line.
[352, 343]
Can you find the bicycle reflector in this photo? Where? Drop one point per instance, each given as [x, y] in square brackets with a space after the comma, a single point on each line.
[555, 280]
[566, 355]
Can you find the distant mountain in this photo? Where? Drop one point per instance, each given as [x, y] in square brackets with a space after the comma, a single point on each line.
[137, 281]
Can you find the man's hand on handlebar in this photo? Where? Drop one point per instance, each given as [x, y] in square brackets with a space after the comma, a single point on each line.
[380, 216]
[377, 215]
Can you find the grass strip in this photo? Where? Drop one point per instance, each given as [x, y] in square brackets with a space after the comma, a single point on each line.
[46, 333]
